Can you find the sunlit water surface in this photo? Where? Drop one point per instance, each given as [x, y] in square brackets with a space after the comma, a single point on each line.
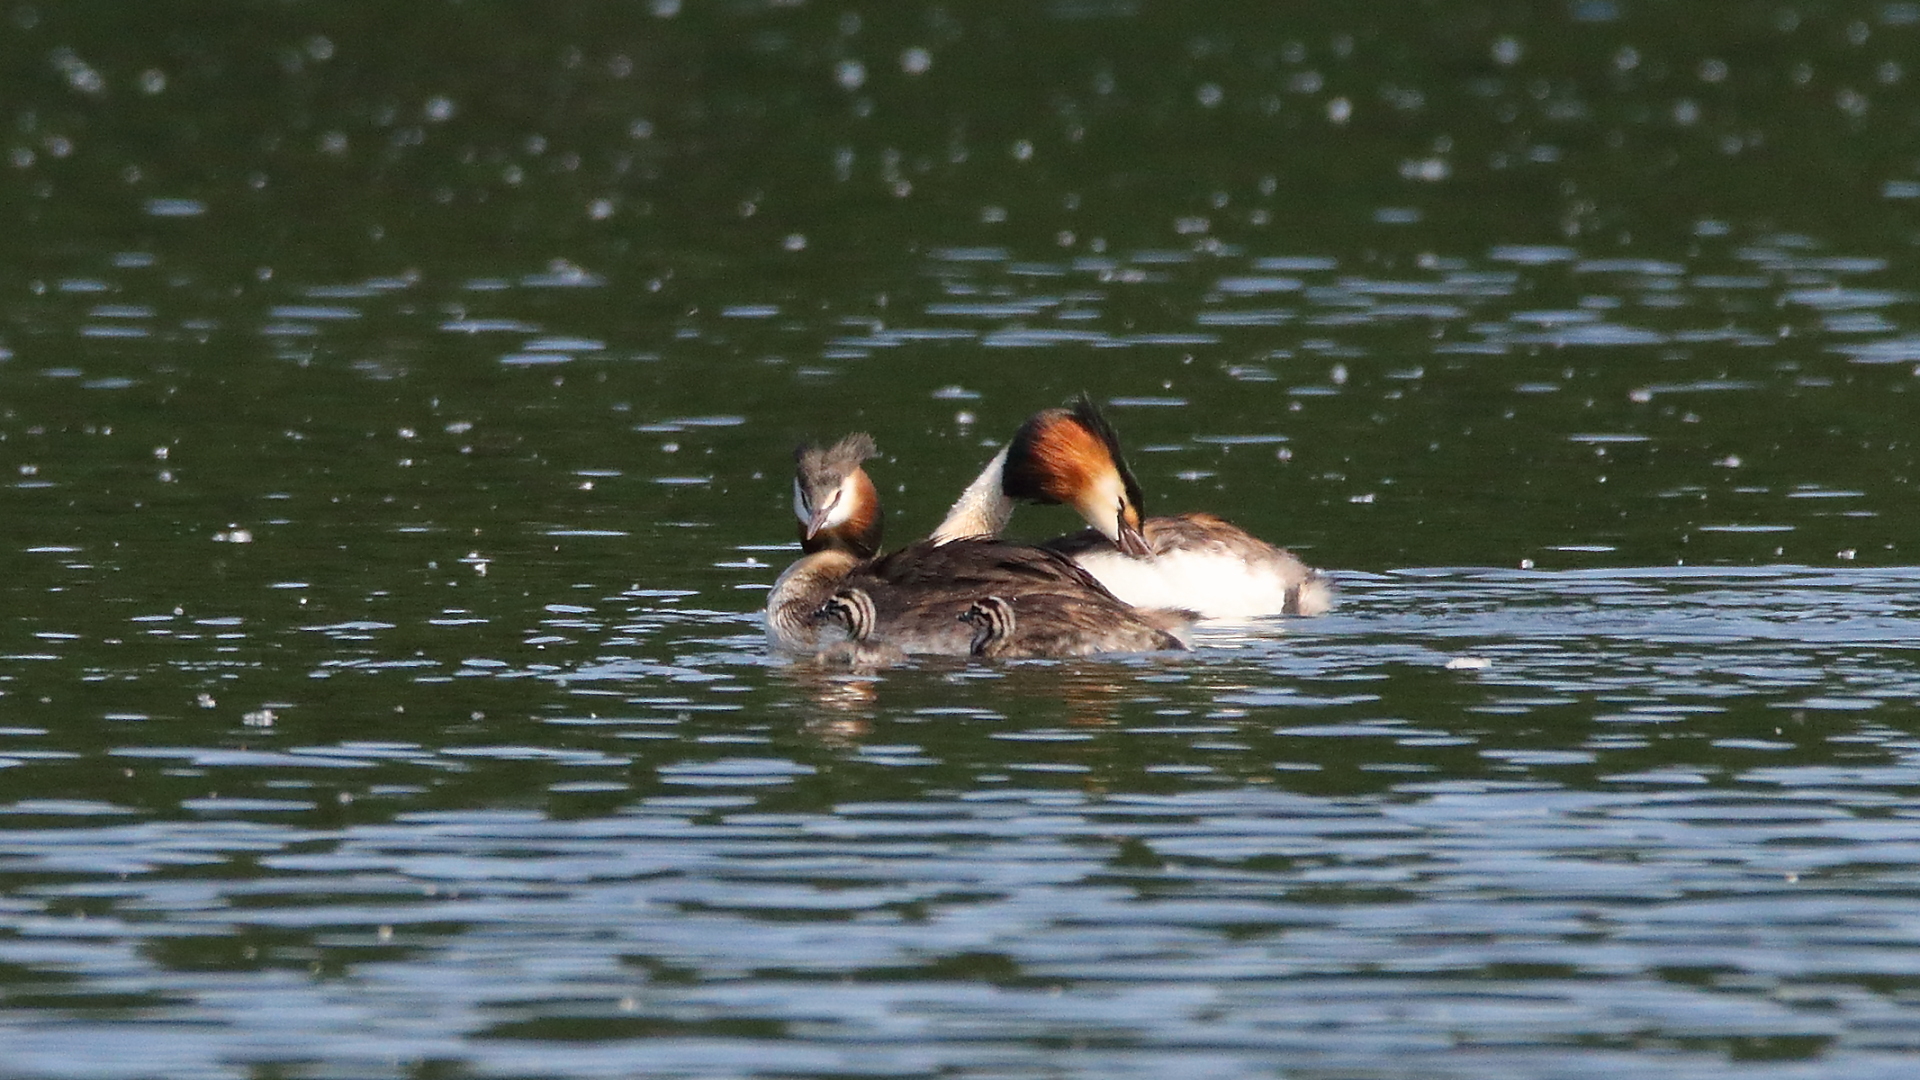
[1471, 822]
[395, 421]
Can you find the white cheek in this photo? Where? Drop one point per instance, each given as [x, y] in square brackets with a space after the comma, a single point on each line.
[1102, 507]
[800, 504]
[843, 503]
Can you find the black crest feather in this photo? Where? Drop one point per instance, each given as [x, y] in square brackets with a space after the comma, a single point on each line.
[1085, 411]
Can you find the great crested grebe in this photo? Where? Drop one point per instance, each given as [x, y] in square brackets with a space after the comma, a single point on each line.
[917, 594]
[1195, 560]
[839, 512]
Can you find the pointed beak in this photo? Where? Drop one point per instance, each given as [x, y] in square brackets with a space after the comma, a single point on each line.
[815, 523]
[1131, 540]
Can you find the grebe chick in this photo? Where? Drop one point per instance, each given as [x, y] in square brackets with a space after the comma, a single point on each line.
[920, 592]
[1046, 625]
[839, 522]
[1072, 455]
[854, 610]
[992, 622]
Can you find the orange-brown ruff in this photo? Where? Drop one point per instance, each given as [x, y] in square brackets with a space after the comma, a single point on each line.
[839, 520]
[1072, 456]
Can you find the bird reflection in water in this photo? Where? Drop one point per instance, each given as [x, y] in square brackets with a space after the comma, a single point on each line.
[844, 701]
[850, 699]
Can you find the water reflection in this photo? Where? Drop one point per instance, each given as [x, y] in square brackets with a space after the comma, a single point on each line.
[394, 415]
[347, 794]
[1039, 879]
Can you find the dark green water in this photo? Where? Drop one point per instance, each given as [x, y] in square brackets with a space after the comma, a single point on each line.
[395, 414]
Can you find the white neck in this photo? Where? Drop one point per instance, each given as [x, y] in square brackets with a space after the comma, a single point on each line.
[982, 509]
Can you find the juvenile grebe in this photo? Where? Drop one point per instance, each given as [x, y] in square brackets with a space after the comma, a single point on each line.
[992, 621]
[1030, 626]
[1194, 560]
[854, 610]
[917, 594]
[839, 513]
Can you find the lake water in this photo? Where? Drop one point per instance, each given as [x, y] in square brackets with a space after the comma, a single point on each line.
[396, 410]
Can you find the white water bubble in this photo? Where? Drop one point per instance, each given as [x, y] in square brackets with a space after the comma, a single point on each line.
[80, 75]
[175, 208]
